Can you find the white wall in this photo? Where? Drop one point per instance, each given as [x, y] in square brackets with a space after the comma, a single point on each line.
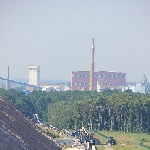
[34, 75]
[140, 89]
[48, 88]
[135, 89]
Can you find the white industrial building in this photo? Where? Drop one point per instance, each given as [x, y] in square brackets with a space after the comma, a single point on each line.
[67, 88]
[48, 88]
[34, 75]
[56, 87]
[139, 87]
[135, 88]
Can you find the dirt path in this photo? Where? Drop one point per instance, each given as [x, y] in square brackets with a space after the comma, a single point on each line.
[108, 147]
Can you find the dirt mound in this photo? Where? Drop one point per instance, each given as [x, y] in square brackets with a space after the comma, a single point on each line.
[18, 133]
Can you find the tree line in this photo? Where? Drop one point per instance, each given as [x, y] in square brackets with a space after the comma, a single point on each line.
[108, 110]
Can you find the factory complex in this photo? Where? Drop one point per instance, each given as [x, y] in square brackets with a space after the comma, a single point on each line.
[82, 80]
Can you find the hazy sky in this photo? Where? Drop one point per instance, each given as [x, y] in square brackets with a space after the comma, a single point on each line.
[57, 36]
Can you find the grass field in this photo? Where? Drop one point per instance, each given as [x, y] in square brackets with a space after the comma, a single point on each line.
[125, 141]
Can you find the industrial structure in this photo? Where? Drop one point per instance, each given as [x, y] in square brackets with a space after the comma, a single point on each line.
[96, 81]
[138, 87]
[80, 80]
[7, 81]
[55, 87]
[92, 67]
[34, 75]
[146, 84]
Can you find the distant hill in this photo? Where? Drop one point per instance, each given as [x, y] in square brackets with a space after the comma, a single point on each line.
[18, 133]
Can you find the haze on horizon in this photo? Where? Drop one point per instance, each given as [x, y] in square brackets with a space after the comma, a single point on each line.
[57, 36]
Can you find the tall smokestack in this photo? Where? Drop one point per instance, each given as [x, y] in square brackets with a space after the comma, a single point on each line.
[92, 67]
[7, 81]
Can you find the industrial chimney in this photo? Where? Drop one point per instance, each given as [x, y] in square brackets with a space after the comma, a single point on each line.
[7, 81]
[92, 67]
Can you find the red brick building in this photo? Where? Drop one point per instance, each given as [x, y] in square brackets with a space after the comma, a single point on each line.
[80, 80]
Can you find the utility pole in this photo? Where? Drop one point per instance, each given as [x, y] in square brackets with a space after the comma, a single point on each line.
[7, 81]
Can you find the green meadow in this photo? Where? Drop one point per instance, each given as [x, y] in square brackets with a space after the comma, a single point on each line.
[125, 141]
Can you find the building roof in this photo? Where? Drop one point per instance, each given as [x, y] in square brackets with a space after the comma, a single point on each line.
[17, 132]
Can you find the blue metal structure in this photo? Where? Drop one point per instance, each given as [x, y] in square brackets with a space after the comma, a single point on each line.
[75, 133]
[22, 83]
[111, 141]
[84, 136]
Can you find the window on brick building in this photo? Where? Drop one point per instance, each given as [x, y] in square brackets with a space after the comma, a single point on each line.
[101, 76]
[114, 76]
[88, 75]
[123, 76]
[75, 75]
[118, 76]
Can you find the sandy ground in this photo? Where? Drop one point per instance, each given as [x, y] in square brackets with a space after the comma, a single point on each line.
[108, 147]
